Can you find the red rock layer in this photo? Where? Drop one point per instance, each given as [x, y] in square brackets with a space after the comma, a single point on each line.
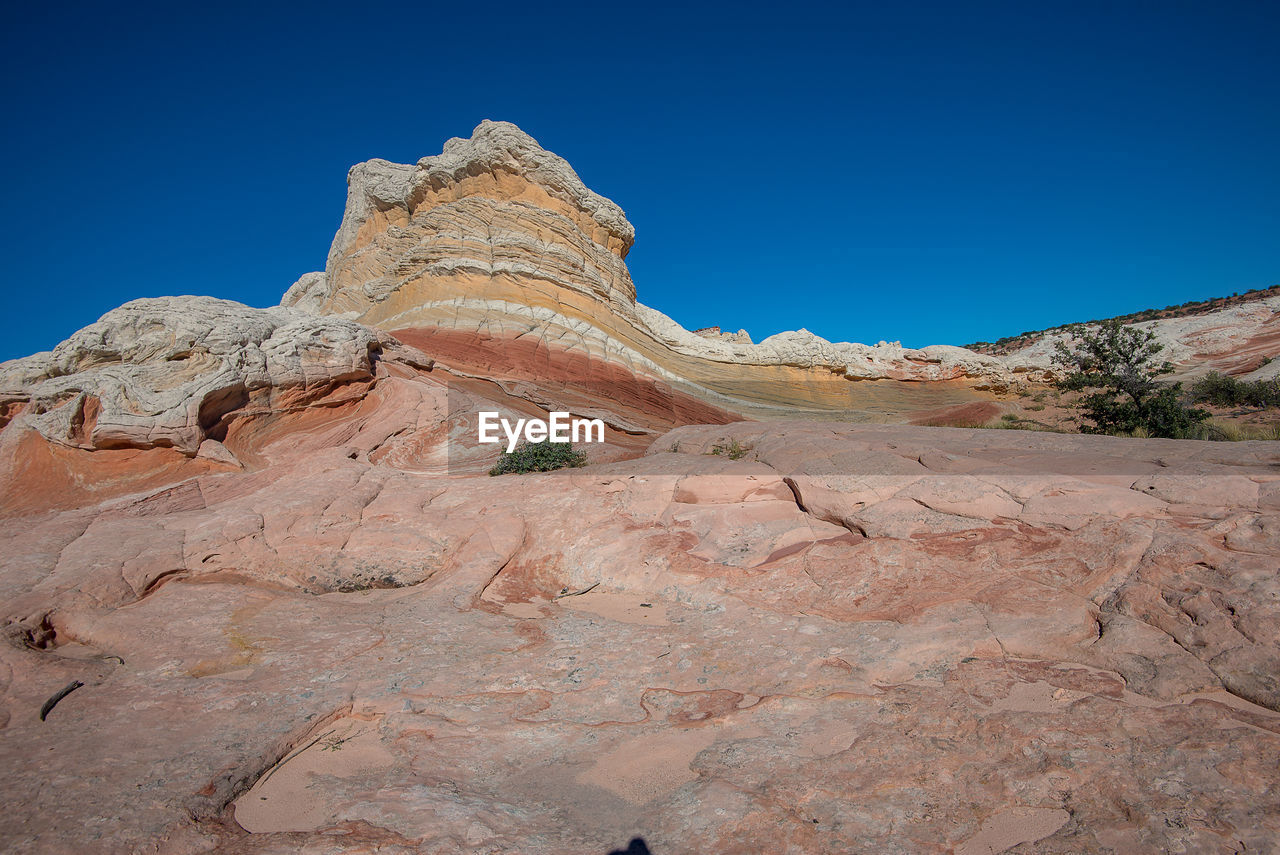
[583, 384]
[38, 475]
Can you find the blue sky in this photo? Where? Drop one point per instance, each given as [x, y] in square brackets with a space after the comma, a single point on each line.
[926, 172]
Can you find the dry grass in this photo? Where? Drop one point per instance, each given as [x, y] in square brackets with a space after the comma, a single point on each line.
[1242, 432]
[1216, 430]
[1221, 430]
[1011, 422]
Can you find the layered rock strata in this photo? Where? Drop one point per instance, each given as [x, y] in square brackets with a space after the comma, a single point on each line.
[163, 372]
[1242, 340]
[499, 240]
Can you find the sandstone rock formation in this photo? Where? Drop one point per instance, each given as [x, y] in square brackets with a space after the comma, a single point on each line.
[260, 597]
[163, 372]
[853, 638]
[1239, 340]
[740, 337]
[497, 240]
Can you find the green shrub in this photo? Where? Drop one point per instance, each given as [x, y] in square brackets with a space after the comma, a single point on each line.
[1223, 391]
[1116, 366]
[1217, 389]
[1164, 414]
[542, 456]
[732, 449]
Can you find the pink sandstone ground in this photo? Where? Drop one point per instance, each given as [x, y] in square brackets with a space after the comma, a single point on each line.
[260, 595]
[852, 638]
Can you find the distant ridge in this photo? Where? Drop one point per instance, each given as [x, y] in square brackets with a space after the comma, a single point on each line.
[1012, 343]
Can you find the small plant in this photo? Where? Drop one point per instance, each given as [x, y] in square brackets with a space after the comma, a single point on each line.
[542, 456]
[732, 449]
[333, 742]
[1234, 432]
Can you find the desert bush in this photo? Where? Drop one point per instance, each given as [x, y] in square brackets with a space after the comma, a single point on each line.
[1164, 414]
[542, 456]
[1217, 389]
[732, 449]
[1117, 369]
[1223, 391]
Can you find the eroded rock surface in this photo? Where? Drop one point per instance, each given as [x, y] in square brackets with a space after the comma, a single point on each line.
[497, 241]
[163, 372]
[1242, 340]
[790, 636]
[259, 595]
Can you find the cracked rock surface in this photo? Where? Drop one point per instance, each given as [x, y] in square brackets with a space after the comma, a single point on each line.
[259, 595]
[849, 638]
[162, 372]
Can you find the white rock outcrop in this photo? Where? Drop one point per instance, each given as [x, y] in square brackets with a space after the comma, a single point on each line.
[308, 293]
[163, 371]
[803, 349]
[1228, 340]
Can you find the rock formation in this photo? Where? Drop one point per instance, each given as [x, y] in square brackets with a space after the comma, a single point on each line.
[740, 337]
[853, 638]
[497, 240]
[1241, 340]
[163, 372]
[260, 597]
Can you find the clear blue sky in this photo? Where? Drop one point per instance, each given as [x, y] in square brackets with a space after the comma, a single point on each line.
[930, 172]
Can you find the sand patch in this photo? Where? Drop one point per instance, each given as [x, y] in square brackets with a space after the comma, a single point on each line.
[291, 795]
[525, 611]
[650, 766]
[624, 608]
[1039, 697]
[1012, 826]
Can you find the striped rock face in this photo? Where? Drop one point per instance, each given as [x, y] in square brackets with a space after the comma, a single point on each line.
[1239, 340]
[494, 256]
